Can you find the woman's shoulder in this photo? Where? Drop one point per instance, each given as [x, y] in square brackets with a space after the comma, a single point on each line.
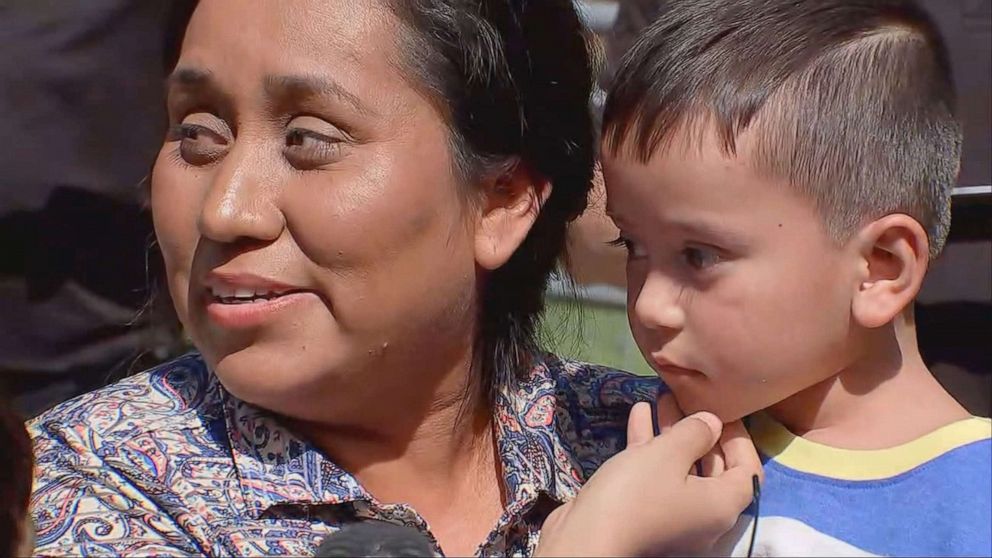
[173, 392]
[592, 406]
[129, 458]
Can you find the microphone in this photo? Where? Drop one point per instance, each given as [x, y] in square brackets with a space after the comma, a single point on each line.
[375, 538]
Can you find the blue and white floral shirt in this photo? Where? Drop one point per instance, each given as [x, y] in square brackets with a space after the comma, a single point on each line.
[168, 463]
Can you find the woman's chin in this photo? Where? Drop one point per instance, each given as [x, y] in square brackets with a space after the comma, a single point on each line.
[274, 378]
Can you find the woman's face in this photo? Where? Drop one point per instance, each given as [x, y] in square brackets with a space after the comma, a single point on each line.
[316, 241]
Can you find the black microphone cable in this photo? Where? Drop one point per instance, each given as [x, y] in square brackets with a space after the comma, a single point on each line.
[756, 503]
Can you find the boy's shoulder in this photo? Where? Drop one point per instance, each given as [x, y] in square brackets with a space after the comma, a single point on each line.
[931, 496]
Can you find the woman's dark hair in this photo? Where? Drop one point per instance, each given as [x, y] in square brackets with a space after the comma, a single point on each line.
[513, 79]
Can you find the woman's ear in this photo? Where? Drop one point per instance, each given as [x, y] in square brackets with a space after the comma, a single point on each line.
[894, 253]
[513, 200]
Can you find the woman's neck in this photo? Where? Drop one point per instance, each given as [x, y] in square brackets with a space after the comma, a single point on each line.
[444, 447]
[425, 432]
[885, 398]
[446, 468]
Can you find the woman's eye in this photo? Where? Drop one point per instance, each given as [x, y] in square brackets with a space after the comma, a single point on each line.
[305, 139]
[700, 258]
[202, 139]
[307, 148]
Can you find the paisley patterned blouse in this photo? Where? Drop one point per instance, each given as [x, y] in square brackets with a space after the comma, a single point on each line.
[169, 463]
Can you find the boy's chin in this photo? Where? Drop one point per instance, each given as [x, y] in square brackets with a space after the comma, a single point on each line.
[724, 411]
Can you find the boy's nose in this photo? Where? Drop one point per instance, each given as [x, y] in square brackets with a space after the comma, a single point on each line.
[657, 303]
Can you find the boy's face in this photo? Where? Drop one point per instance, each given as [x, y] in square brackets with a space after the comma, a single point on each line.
[736, 294]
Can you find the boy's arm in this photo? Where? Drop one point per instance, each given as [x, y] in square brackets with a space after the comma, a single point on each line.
[645, 501]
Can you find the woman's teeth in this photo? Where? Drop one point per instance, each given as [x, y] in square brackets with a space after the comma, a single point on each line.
[241, 295]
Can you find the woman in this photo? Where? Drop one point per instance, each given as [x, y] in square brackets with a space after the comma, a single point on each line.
[359, 204]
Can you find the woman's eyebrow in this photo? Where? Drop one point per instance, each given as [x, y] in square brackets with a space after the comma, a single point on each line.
[289, 88]
[193, 79]
[187, 83]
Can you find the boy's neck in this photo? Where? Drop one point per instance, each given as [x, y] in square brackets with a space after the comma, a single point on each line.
[885, 398]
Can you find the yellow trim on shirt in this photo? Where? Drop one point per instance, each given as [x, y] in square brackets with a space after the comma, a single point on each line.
[775, 441]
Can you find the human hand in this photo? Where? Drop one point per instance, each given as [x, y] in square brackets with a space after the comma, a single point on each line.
[734, 436]
[647, 499]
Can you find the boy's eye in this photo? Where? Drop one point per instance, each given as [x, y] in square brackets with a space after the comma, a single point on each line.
[634, 251]
[700, 258]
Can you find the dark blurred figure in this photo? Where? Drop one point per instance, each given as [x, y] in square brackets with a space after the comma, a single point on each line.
[16, 532]
[81, 102]
[954, 309]
[632, 18]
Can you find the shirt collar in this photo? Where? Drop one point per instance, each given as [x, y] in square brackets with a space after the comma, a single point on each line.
[534, 459]
[275, 466]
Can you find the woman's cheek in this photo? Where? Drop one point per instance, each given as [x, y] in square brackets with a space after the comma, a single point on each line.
[174, 215]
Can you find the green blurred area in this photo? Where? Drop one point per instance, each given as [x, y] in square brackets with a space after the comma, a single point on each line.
[591, 331]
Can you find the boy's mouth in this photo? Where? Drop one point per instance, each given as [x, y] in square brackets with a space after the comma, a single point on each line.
[663, 365]
[677, 370]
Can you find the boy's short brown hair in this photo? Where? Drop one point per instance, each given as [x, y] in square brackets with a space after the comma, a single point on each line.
[851, 101]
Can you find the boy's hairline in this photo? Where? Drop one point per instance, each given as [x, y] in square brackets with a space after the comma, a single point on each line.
[690, 130]
[648, 138]
[630, 136]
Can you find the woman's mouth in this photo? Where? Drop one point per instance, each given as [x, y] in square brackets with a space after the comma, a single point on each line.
[239, 304]
[243, 295]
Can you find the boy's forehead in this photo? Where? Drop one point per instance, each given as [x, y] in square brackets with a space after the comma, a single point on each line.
[689, 154]
[692, 176]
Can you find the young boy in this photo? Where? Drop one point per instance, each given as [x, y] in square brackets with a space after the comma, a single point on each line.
[781, 174]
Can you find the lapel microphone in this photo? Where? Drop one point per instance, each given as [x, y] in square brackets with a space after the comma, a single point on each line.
[375, 538]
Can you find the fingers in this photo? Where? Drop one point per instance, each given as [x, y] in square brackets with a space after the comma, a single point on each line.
[690, 439]
[739, 451]
[714, 463]
[640, 429]
[735, 485]
[668, 412]
[735, 488]
[720, 501]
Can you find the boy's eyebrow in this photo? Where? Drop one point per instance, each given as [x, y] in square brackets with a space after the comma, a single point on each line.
[612, 216]
[707, 230]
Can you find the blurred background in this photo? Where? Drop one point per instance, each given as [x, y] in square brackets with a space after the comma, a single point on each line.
[80, 303]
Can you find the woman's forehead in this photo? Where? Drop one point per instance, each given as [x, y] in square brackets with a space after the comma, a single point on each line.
[348, 39]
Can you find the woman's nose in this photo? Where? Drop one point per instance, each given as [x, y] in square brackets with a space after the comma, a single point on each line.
[240, 204]
[657, 304]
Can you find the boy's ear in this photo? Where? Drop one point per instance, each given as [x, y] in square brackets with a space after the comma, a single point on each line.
[512, 202]
[893, 254]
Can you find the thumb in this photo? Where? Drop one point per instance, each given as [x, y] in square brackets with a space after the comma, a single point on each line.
[640, 429]
[690, 439]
